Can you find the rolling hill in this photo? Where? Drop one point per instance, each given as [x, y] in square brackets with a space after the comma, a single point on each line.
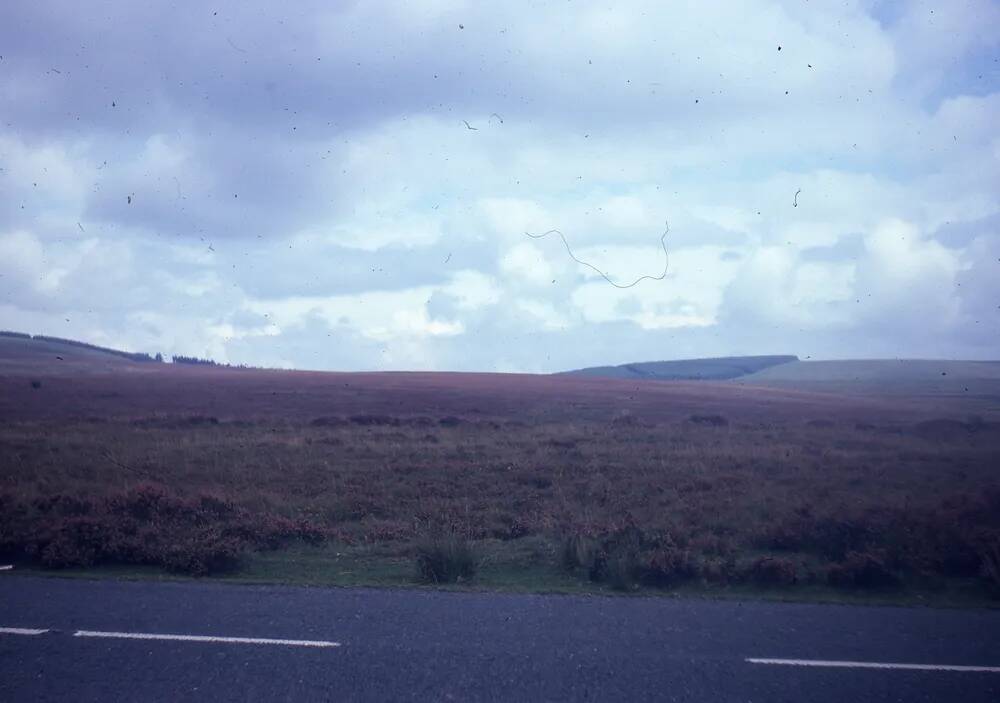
[717, 369]
[910, 376]
[25, 354]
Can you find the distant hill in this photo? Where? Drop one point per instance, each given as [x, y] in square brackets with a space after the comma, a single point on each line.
[24, 353]
[925, 376]
[717, 369]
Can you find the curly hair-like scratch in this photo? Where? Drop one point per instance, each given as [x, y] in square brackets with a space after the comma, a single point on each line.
[663, 244]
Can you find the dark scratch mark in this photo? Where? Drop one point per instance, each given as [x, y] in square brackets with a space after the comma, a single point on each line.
[81, 227]
[663, 244]
[449, 258]
[493, 114]
[795, 200]
[470, 126]
[230, 42]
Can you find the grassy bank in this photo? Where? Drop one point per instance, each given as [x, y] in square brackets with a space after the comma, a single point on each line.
[511, 567]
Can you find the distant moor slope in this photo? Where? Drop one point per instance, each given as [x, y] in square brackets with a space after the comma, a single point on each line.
[717, 369]
[910, 376]
[22, 354]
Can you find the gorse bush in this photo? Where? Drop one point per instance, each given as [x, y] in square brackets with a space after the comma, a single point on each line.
[146, 526]
[772, 571]
[203, 552]
[718, 570]
[948, 539]
[862, 570]
[445, 559]
[989, 552]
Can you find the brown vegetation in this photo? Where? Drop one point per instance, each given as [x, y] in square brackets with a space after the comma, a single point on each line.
[637, 492]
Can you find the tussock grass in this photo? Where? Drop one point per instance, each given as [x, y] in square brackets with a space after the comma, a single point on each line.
[445, 559]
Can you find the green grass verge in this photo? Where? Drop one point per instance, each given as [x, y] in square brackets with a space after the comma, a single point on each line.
[527, 565]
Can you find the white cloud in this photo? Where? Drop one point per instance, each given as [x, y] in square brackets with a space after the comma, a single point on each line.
[324, 181]
[473, 290]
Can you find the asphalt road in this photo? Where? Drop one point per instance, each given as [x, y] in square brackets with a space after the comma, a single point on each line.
[420, 645]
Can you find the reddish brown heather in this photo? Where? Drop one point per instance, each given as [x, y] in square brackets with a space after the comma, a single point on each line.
[777, 486]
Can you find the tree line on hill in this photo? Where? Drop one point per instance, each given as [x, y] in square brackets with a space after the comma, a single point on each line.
[178, 359]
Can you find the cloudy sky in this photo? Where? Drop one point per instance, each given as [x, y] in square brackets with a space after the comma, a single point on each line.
[347, 185]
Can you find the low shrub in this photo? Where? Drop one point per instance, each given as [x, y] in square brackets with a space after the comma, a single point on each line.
[772, 571]
[710, 420]
[624, 418]
[329, 421]
[989, 552]
[718, 569]
[535, 480]
[375, 420]
[831, 537]
[448, 559]
[210, 552]
[576, 551]
[607, 558]
[862, 570]
[509, 526]
[627, 557]
[944, 430]
[664, 563]
[76, 541]
[619, 569]
[146, 525]
[945, 539]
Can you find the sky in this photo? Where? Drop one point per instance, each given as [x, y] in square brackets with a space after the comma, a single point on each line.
[348, 185]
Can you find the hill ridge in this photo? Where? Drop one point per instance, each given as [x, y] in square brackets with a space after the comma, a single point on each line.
[707, 368]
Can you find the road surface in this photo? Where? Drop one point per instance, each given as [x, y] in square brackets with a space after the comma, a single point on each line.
[107, 640]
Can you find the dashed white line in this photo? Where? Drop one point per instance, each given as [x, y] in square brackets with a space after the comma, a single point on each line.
[21, 631]
[875, 665]
[204, 638]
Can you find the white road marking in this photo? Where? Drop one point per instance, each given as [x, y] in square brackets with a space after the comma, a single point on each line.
[6, 567]
[875, 665]
[204, 638]
[21, 631]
